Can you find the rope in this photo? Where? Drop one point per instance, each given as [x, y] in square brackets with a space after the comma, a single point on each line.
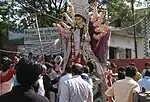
[9, 51]
[39, 35]
[119, 29]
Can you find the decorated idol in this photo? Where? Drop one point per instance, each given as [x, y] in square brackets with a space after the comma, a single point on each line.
[86, 36]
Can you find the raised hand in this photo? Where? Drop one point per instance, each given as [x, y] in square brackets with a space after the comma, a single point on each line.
[71, 9]
[97, 36]
[54, 24]
[63, 14]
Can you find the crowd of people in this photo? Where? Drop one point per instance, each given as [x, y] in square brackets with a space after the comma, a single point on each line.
[126, 82]
[23, 80]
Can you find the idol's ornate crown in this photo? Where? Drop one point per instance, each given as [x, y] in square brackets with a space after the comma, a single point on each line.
[81, 7]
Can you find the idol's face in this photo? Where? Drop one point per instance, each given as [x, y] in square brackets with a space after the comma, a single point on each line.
[79, 20]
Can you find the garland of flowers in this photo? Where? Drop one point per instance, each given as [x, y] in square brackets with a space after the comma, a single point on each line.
[73, 44]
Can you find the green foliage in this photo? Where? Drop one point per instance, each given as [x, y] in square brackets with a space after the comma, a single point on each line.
[27, 9]
[23, 11]
[120, 11]
[3, 23]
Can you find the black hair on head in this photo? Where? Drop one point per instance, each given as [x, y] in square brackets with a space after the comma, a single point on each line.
[77, 69]
[85, 69]
[131, 71]
[147, 73]
[27, 72]
[78, 15]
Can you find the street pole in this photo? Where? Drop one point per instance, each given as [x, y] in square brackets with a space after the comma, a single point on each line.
[38, 32]
[134, 30]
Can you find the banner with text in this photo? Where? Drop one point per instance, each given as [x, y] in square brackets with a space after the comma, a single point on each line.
[50, 39]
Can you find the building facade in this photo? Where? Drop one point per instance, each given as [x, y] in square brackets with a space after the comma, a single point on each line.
[122, 46]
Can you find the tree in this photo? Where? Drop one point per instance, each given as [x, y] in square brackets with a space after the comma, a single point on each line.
[27, 9]
[120, 13]
[3, 23]
[23, 12]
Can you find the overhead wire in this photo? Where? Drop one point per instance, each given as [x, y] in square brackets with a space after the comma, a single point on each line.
[9, 51]
[119, 29]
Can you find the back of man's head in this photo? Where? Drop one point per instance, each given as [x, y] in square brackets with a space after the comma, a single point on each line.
[147, 64]
[68, 69]
[85, 69]
[132, 64]
[147, 73]
[121, 68]
[6, 62]
[91, 66]
[121, 73]
[48, 65]
[27, 73]
[77, 69]
[131, 71]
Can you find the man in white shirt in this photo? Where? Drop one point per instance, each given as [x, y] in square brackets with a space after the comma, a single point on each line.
[64, 78]
[145, 82]
[41, 90]
[123, 90]
[76, 89]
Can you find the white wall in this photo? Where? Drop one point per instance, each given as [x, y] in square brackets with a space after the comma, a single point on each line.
[124, 42]
[140, 47]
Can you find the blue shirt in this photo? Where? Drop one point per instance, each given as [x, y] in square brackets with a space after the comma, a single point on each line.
[15, 81]
[145, 82]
